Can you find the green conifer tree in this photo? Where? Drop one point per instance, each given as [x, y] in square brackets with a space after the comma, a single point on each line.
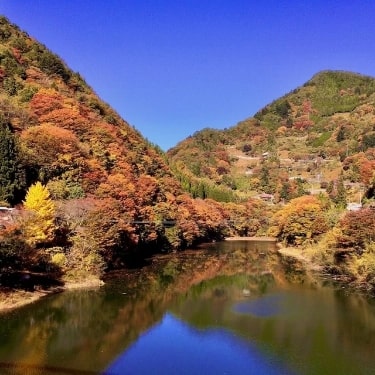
[8, 163]
[340, 198]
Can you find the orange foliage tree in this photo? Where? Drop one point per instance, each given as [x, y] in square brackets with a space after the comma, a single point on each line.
[44, 101]
[52, 151]
[46, 144]
[300, 220]
[249, 219]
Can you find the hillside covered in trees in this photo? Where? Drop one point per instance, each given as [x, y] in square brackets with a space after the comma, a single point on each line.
[311, 155]
[307, 140]
[80, 189]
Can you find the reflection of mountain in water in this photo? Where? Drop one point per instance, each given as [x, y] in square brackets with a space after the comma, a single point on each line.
[173, 347]
[315, 330]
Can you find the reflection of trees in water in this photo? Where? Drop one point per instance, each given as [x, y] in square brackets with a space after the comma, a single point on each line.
[355, 319]
[313, 320]
[77, 328]
[293, 269]
[87, 329]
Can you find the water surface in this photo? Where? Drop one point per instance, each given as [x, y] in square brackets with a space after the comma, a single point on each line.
[230, 308]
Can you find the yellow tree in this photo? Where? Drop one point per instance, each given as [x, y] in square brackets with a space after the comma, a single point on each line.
[300, 220]
[39, 224]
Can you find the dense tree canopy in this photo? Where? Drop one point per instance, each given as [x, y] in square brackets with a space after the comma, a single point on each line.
[300, 220]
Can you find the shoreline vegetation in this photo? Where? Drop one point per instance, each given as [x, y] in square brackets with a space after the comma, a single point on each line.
[302, 259]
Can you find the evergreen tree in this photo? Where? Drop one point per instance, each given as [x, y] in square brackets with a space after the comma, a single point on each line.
[330, 188]
[340, 198]
[300, 188]
[285, 191]
[265, 180]
[201, 193]
[8, 164]
[340, 135]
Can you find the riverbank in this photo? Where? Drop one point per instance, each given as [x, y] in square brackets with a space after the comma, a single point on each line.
[297, 259]
[12, 299]
[265, 239]
[297, 255]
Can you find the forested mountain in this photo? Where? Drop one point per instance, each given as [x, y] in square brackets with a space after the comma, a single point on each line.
[87, 187]
[306, 140]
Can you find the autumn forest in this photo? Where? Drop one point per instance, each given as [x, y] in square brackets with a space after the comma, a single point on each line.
[82, 192]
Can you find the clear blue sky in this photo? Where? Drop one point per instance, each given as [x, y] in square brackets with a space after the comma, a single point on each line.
[172, 67]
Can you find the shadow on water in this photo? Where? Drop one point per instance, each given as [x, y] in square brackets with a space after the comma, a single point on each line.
[30, 281]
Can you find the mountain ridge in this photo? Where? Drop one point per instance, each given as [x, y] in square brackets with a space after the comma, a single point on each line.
[312, 121]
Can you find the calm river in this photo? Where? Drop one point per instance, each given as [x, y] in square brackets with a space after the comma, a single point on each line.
[227, 308]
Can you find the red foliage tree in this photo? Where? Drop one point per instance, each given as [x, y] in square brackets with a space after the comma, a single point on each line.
[358, 228]
[44, 101]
